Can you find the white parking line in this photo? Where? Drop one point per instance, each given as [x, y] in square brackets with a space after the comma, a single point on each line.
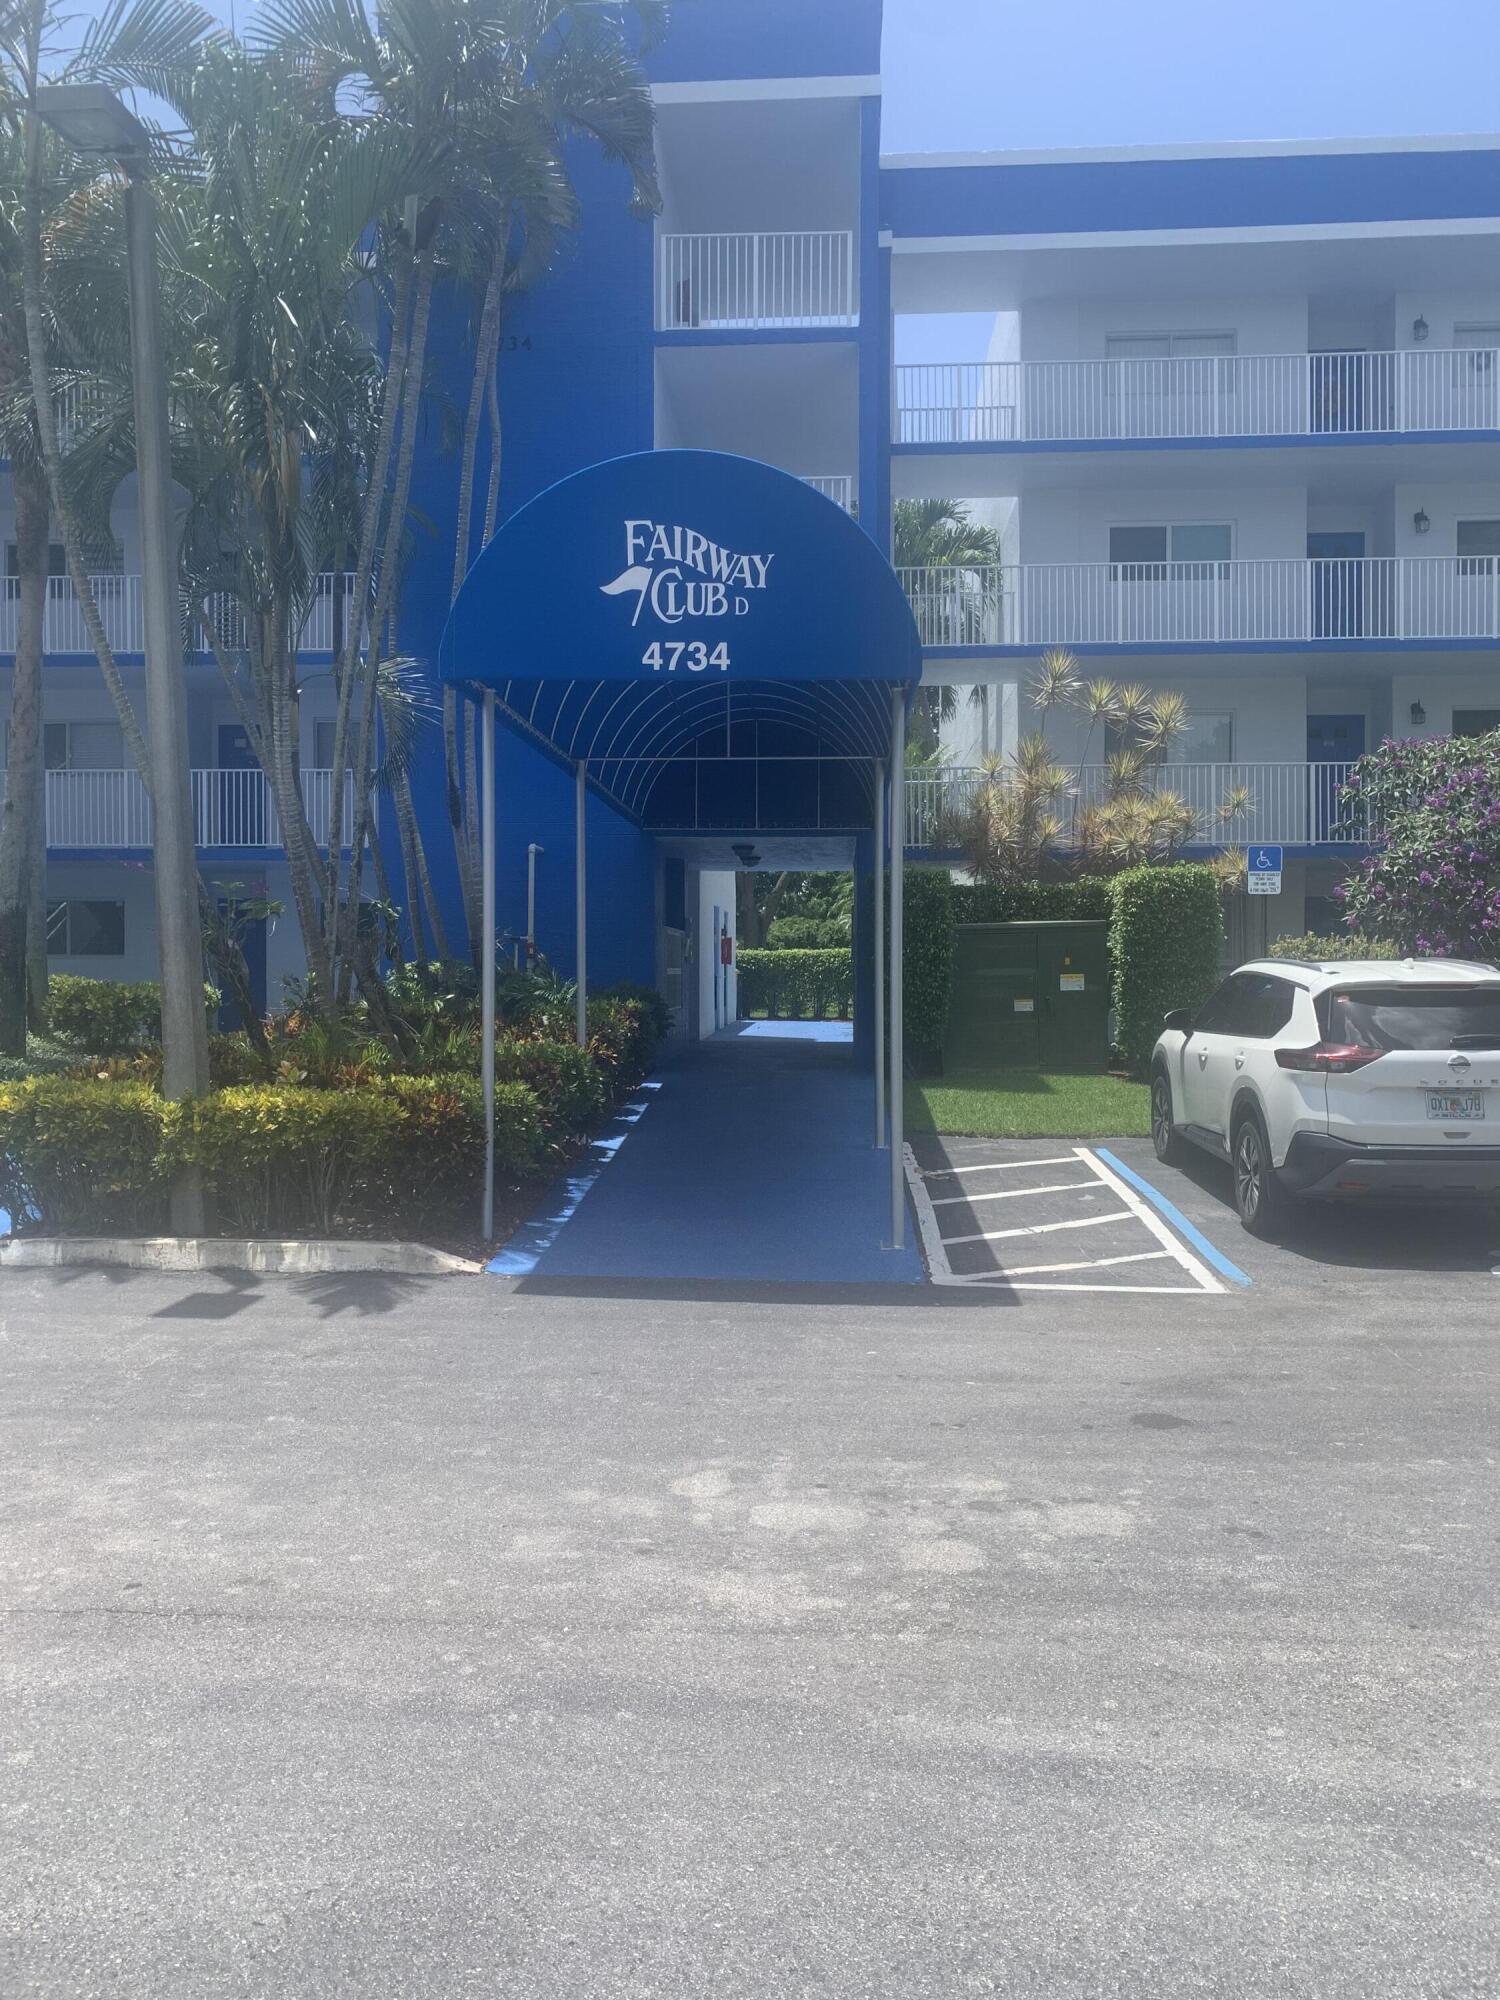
[1191, 1264]
[1009, 1194]
[1089, 1264]
[1043, 1228]
[986, 1167]
[1037, 1277]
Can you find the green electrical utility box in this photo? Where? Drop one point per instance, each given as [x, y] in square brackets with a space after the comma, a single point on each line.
[1029, 996]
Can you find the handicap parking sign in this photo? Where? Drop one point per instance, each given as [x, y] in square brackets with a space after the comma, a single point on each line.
[1264, 870]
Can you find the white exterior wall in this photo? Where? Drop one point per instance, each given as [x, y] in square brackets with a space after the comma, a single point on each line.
[715, 887]
[109, 882]
[1076, 329]
[1072, 524]
[1445, 507]
[1269, 711]
[1439, 694]
[1443, 311]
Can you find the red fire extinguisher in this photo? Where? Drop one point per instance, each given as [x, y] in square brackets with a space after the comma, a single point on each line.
[726, 948]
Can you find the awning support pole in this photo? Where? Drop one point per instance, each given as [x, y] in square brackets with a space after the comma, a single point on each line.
[487, 958]
[879, 955]
[898, 1050]
[581, 877]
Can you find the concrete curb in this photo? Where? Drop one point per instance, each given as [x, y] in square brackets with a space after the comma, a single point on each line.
[287, 1259]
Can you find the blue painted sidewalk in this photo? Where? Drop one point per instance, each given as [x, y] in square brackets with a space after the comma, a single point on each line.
[752, 1161]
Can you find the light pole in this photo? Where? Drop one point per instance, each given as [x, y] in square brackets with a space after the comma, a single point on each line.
[92, 119]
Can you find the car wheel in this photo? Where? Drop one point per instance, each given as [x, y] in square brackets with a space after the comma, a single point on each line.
[1167, 1145]
[1260, 1200]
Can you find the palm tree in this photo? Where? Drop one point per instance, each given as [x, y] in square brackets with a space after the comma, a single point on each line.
[941, 534]
[277, 399]
[496, 88]
[135, 42]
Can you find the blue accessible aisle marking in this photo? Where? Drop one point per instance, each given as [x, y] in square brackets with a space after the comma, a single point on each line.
[1188, 1230]
[525, 1249]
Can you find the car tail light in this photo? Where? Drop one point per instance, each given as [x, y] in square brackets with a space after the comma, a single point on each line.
[1328, 1058]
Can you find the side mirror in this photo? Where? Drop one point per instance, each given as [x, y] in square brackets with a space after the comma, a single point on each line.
[1180, 1018]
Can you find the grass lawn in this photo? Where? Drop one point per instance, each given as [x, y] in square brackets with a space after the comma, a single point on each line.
[1023, 1104]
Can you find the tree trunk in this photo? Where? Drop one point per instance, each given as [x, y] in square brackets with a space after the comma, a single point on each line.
[33, 282]
[392, 394]
[36, 924]
[23, 769]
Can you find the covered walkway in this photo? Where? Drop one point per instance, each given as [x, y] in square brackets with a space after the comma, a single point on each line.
[751, 1162]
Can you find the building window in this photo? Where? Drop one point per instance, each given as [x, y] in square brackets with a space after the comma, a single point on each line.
[86, 929]
[1207, 739]
[1475, 721]
[1140, 554]
[83, 746]
[1166, 346]
[323, 726]
[1478, 546]
[1481, 340]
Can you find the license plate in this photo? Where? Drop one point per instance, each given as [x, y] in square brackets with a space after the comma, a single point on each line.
[1457, 1106]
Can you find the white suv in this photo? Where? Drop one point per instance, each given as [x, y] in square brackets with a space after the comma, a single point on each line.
[1339, 1081]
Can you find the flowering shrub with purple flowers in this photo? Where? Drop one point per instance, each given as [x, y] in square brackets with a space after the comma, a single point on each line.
[1433, 884]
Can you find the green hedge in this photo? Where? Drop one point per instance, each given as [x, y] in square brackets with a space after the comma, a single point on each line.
[927, 974]
[793, 985]
[569, 1083]
[808, 934]
[104, 1016]
[84, 1157]
[109, 1017]
[1348, 946]
[1165, 938]
[1088, 898]
[96, 1155]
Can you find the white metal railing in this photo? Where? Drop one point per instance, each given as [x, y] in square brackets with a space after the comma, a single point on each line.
[1295, 804]
[837, 487]
[1200, 396]
[231, 808]
[1278, 601]
[122, 615]
[761, 278]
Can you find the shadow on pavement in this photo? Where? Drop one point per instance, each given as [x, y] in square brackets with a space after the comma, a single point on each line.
[365, 1294]
[1376, 1236]
[910, 1298]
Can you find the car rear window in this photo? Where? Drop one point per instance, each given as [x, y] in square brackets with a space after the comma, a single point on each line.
[1414, 1017]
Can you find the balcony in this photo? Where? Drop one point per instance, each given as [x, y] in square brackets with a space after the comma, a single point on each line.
[756, 280]
[1295, 805]
[1188, 398]
[1337, 601]
[231, 809]
[122, 614]
[837, 487]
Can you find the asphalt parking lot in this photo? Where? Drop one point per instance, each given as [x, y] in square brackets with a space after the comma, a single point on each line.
[1058, 1216]
[449, 1638]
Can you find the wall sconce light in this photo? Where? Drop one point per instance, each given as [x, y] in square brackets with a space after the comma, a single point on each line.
[1418, 714]
[1419, 329]
[1420, 521]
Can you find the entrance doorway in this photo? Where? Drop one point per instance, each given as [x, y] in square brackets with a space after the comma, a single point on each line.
[1338, 592]
[1334, 742]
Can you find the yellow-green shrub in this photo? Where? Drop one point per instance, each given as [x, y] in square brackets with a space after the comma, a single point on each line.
[570, 1086]
[84, 1157]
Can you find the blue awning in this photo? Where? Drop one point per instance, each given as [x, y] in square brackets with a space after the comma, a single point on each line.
[684, 608]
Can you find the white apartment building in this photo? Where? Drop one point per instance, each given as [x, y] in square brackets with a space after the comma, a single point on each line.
[1239, 423]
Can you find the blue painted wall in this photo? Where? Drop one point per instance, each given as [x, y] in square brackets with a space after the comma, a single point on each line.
[580, 391]
[1065, 196]
[741, 38]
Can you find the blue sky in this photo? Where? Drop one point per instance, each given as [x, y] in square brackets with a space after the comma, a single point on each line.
[975, 75]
